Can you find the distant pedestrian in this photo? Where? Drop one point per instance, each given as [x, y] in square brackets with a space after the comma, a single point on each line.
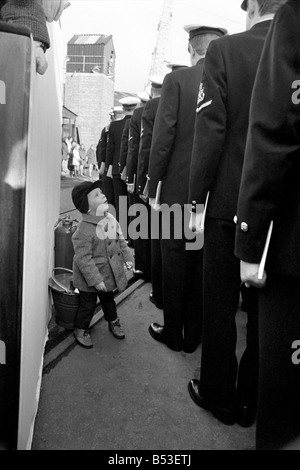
[76, 158]
[82, 154]
[64, 155]
[91, 159]
[100, 255]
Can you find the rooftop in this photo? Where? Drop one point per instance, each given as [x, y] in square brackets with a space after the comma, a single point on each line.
[88, 39]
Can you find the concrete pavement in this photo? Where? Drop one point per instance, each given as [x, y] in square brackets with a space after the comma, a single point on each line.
[130, 394]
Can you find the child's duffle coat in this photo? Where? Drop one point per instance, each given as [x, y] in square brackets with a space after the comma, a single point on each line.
[100, 253]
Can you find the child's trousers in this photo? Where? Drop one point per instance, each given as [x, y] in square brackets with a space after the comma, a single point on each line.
[87, 305]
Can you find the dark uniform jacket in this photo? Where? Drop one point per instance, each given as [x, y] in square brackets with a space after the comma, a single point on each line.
[222, 119]
[101, 147]
[134, 144]
[114, 144]
[173, 133]
[124, 146]
[148, 118]
[270, 187]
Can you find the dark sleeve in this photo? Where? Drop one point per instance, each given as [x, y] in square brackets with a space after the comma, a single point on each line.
[110, 147]
[133, 150]
[124, 146]
[101, 147]
[210, 125]
[164, 132]
[273, 141]
[28, 13]
[145, 146]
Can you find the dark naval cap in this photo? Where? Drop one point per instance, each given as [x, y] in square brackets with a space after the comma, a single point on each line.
[197, 30]
[80, 192]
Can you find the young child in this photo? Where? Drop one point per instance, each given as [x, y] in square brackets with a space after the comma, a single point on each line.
[98, 266]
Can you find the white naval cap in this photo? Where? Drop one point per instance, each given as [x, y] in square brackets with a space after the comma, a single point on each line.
[175, 65]
[117, 110]
[129, 102]
[197, 29]
[144, 96]
[156, 80]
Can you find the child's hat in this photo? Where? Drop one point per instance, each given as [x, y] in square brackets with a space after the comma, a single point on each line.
[80, 192]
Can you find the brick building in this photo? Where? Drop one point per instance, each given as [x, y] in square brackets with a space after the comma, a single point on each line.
[90, 96]
[89, 84]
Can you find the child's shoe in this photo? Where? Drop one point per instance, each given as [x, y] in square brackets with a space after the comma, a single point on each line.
[116, 329]
[83, 338]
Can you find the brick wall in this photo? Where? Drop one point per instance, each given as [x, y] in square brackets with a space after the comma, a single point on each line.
[91, 97]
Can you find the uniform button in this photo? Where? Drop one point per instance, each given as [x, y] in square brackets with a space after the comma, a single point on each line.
[244, 227]
[235, 219]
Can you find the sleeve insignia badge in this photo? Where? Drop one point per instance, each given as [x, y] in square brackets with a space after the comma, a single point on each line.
[201, 94]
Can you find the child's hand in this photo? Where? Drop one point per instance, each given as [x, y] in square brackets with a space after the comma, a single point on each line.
[129, 265]
[101, 287]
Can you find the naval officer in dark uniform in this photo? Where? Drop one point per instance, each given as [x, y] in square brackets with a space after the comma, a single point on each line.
[113, 151]
[142, 246]
[225, 388]
[270, 192]
[148, 119]
[108, 186]
[134, 143]
[170, 158]
[101, 150]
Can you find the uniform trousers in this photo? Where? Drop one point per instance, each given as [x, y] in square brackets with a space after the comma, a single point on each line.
[120, 190]
[87, 305]
[278, 414]
[108, 189]
[181, 272]
[222, 380]
[142, 244]
[156, 258]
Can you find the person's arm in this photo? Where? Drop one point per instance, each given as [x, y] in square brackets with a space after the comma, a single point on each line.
[273, 141]
[110, 148]
[124, 147]
[210, 125]
[145, 146]
[164, 133]
[133, 151]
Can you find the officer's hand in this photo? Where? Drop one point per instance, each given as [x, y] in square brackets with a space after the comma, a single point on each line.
[249, 275]
[130, 188]
[195, 222]
[154, 206]
[101, 287]
[102, 169]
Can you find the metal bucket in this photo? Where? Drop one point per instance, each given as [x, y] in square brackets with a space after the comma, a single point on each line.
[65, 299]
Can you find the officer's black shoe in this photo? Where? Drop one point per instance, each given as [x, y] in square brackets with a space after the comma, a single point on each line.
[191, 347]
[245, 415]
[223, 414]
[157, 333]
[152, 299]
[137, 273]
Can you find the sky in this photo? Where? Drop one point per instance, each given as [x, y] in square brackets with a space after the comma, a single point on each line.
[134, 27]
